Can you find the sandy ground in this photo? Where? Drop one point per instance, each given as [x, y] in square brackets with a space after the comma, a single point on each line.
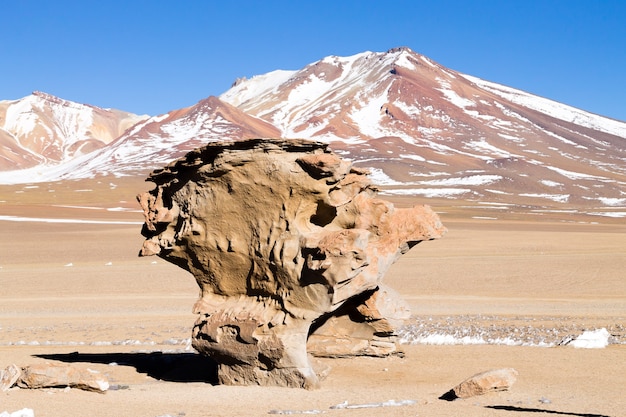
[77, 293]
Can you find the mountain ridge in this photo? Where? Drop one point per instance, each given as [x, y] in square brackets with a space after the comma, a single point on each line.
[43, 129]
[423, 129]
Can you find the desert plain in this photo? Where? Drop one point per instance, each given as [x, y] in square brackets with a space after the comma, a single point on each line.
[509, 290]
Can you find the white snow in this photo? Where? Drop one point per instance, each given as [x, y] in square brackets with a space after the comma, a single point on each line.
[592, 339]
[256, 86]
[403, 61]
[483, 146]
[511, 138]
[379, 177]
[612, 201]
[497, 192]
[303, 93]
[20, 117]
[428, 192]
[72, 122]
[559, 198]
[408, 109]
[574, 175]
[452, 96]
[441, 339]
[426, 60]
[469, 180]
[613, 214]
[24, 412]
[553, 108]
[413, 157]
[346, 405]
[368, 116]
[57, 220]
[550, 183]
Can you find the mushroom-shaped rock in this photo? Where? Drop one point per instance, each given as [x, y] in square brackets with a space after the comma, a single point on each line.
[279, 234]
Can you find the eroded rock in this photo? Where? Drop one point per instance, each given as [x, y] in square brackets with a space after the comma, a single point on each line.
[50, 375]
[9, 376]
[482, 383]
[279, 234]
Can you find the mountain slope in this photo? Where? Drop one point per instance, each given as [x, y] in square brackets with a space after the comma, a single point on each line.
[428, 130]
[157, 141]
[422, 129]
[43, 129]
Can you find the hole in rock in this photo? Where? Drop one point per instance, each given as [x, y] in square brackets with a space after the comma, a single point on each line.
[324, 214]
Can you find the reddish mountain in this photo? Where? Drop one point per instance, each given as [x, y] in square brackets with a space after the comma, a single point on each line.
[428, 130]
[42, 129]
[158, 140]
[423, 129]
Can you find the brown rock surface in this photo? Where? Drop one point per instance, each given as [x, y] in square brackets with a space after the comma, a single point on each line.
[279, 235]
[60, 375]
[9, 376]
[482, 383]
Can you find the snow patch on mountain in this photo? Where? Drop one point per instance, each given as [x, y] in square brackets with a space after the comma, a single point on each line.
[553, 108]
[429, 192]
[468, 180]
[246, 89]
[452, 96]
[368, 116]
[20, 118]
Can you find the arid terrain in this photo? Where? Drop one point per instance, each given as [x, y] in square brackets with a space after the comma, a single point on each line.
[73, 290]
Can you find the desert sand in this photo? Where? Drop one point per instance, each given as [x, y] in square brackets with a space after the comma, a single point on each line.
[76, 292]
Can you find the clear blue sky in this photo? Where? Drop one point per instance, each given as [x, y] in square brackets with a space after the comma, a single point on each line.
[150, 57]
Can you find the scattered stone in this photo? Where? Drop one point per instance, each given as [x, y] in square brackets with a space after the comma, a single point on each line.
[282, 237]
[390, 403]
[60, 375]
[9, 377]
[479, 384]
[118, 387]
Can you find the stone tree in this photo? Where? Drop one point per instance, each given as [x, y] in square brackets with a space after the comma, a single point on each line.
[279, 235]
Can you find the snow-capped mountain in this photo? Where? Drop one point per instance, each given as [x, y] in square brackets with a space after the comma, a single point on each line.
[429, 130]
[157, 141]
[423, 129]
[43, 129]
[154, 142]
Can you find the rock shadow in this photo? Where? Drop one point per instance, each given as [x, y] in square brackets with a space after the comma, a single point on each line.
[172, 367]
[449, 396]
[541, 410]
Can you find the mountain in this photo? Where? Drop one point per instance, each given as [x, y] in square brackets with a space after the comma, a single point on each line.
[428, 130]
[154, 142]
[41, 129]
[158, 140]
[423, 130]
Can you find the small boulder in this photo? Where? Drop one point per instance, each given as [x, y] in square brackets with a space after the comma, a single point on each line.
[58, 375]
[9, 376]
[479, 384]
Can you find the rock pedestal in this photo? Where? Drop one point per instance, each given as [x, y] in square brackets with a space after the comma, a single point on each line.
[279, 235]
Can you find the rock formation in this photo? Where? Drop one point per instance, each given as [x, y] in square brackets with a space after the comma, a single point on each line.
[283, 237]
[9, 376]
[482, 383]
[49, 375]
